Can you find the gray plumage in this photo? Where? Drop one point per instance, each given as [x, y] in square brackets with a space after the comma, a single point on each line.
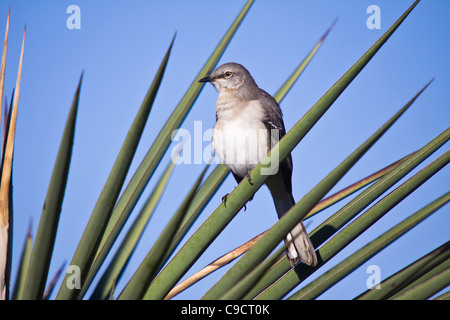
[246, 117]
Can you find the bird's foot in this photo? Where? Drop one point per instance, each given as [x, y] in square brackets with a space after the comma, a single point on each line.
[224, 199]
[249, 179]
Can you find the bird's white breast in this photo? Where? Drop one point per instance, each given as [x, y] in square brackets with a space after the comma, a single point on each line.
[240, 138]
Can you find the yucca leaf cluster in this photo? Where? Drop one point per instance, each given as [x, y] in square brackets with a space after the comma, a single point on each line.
[260, 270]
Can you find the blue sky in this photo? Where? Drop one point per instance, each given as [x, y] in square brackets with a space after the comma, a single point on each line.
[119, 47]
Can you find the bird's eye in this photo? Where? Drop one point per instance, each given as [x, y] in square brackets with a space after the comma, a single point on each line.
[228, 74]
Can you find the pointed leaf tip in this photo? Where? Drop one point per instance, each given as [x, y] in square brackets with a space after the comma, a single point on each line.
[329, 30]
[171, 43]
[77, 92]
[30, 227]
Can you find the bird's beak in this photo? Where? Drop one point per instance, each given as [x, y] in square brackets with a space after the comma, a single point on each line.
[205, 79]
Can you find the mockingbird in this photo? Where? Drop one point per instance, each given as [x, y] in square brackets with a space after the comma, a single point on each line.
[246, 119]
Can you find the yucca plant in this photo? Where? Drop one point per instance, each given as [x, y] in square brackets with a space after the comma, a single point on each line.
[125, 206]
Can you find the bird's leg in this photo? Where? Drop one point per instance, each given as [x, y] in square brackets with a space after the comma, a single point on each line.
[224, 199]
[249, 179]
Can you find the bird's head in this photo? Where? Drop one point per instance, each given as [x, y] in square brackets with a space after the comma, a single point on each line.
[229, 76]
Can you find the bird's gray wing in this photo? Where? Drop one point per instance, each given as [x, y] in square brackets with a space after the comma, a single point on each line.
[274, 120]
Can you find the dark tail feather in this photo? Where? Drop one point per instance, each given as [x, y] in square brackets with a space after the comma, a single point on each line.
[300, 247]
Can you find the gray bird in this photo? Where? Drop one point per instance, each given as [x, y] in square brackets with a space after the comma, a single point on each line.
[246, 119]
